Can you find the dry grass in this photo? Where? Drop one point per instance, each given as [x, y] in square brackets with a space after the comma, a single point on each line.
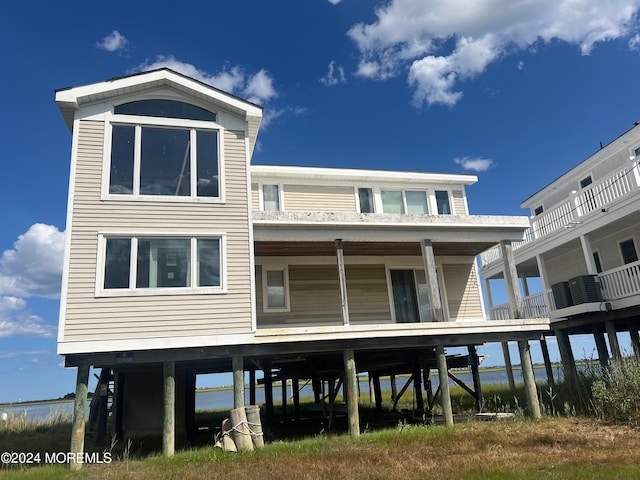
[553, 448]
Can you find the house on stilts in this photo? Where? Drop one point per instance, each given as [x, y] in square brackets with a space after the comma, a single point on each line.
[582, 248]
[183, 258]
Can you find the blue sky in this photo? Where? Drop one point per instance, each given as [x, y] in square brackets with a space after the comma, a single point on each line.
[514, 91]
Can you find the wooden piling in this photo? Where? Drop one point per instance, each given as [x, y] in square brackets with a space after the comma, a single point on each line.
[79, 417]
[475, 373]
[237, 365]
[547, 362]
[531, 391]
[351, 389]
[255, 425]
[445, 395]
[241, 433]
[169, 420]
[508, 366]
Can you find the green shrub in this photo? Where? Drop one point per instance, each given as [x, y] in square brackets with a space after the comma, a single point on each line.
[616, 395]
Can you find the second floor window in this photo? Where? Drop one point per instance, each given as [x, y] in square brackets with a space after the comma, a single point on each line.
[365, 197]
[271, 198]
[442, 201]
[628, 251]
[159, 161]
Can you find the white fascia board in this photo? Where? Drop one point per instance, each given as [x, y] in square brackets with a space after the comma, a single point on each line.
[75, 95]
[358, 175]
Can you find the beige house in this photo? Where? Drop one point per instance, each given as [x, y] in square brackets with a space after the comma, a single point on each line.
[183, 258]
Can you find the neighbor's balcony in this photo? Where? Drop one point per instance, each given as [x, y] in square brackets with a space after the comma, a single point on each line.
[579, 204]
[618, 284]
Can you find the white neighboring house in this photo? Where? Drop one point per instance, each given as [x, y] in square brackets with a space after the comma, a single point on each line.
[582, 244]
[182, 258]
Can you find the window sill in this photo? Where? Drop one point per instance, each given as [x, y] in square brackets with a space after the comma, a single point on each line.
[163, 292]
[162, 199]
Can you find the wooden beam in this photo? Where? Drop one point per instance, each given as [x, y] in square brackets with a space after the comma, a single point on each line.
[268, 389]
[79, 417]
[461, 384]
[508, 366]
[377, 390]
[433, 291]
[566, 355]
[547, 362]
[169, 419]
[635, 340]
[342, 278]
[601, 347]
[475, 374]
[295, 386]
[610, 326]
[417, 384]
[252, 386]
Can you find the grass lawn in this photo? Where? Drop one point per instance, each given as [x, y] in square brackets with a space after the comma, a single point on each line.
[554, 448]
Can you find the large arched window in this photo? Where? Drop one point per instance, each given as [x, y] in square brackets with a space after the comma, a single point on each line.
[166, 109]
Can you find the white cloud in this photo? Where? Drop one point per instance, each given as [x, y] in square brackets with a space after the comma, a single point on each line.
[257, 88]
[114, 42]
[21, 353]
[15, 319]
[334, 2]
[334, 76]
[520, 65]
[444, 42]
[33, 267]
[273, 114]
[477, 164]
[634, 43]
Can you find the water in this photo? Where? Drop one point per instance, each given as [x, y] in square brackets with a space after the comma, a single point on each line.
[219, 399]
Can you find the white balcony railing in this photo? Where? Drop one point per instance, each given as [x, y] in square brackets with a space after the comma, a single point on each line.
[621, 282]
[533, 306]
[570, 212]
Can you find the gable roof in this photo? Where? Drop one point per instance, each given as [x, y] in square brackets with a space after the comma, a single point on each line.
[70, 99]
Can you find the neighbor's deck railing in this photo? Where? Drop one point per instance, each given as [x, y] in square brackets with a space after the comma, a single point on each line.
[616, 284]
[597, 196]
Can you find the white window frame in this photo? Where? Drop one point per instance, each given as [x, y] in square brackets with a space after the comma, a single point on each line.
[132, 291]
[280, 195]
[275, 265]
[140, 122]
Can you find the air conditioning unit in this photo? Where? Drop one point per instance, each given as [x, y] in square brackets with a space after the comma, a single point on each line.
[562, 295]
[585, 289]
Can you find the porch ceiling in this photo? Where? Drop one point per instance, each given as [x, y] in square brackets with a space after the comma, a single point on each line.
[323, 248]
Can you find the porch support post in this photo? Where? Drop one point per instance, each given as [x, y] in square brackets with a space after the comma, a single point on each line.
[511, 279]
[351, 392]
[601, 347]
[443, 376]
[342, 278]
[587, 251]
[79, 416]
[610, 326]
[547, 362]
[237, 365]
[635, 340]
[487, 288]
[169, 420]
[429, 260]
[507, 365]
[475, 374]
[542, 271]
[525, 284]
[530, 389]
[566, 354]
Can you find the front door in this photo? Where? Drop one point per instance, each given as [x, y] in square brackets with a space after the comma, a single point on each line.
[410, 296]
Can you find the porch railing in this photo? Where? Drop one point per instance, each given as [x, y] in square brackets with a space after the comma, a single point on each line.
[621, 282]
[570, 212]
[533, 306]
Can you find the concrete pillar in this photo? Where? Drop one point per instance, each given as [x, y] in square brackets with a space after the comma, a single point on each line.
[435, 302]
[351, 392]
[508, 366]
[237, 365]
[445, 395]
[169, 422]
[601, 347]
[547, 362]
[342, 279]
[79, 416]
[530, 389]
[610, 326]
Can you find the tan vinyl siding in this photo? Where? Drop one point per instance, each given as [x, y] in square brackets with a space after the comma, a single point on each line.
[458, 203]
[314, 198]
[315, 296]
[90, 318]
[463, 292]
[255, 198]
